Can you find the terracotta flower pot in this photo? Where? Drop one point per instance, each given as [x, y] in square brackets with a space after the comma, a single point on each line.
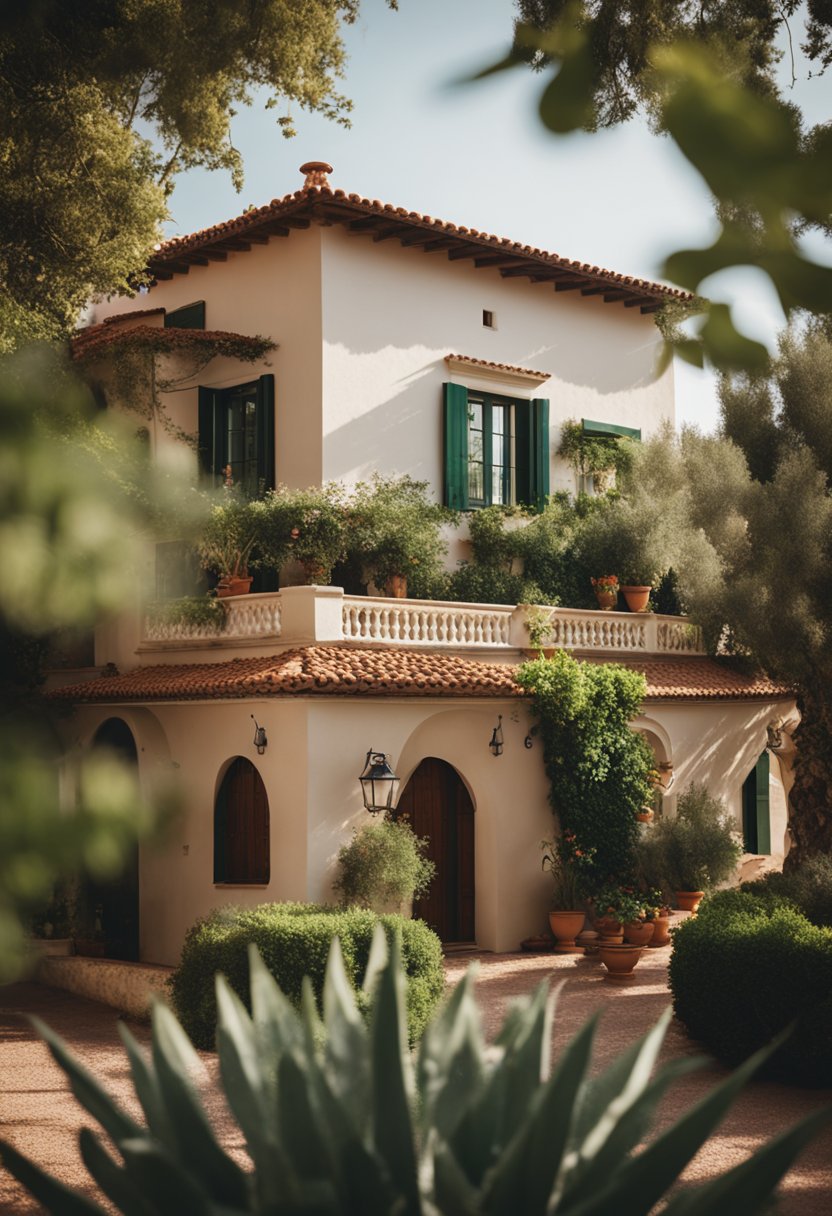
[606, 599]
[645, 816]
[638, 932]
[610, 930]
[637, 597]
[231, 584]
[565, 928]
[396, 587]
[619, 962]
[661, 931]
[689, 901]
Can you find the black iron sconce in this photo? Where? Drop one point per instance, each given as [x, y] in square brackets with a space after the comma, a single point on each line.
[379, 784]
[496, 743]
[260, 740]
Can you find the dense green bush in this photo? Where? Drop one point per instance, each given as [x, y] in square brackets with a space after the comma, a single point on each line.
[748, 967]
[695, 850]
[294, 941]
[809, 888]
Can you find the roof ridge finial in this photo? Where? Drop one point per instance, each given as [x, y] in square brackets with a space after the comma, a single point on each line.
[316, 173]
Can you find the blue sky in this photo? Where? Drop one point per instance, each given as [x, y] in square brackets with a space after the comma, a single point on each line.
[477, 155]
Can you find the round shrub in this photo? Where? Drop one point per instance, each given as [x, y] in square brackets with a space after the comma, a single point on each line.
[384, 865]
[294, 941]
[809, 887]
[746, 968]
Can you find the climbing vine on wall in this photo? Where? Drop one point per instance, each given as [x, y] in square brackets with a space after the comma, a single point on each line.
[598, 767]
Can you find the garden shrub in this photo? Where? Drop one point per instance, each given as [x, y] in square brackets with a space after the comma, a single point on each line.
[294, 940]
[384, 864]
[746, 968]
[809, 888]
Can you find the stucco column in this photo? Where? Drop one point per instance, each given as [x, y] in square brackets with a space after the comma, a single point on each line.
[311, 614]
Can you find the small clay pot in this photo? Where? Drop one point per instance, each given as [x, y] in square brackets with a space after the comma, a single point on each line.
[619, 962]
[610, 930]
[638, 932]
[231, 584]
[565, 928]
[689, 901]
[661, 931]
[606, 599]
[396, 587]
[637, 597]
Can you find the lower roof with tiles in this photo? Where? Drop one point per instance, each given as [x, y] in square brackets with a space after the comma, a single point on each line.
[362, 672]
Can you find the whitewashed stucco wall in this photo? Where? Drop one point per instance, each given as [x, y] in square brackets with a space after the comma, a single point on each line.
[391, 315]
[310, 770]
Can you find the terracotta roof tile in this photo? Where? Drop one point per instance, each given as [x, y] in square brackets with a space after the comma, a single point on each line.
[500, 367]
[353, 671]
[89, 344]
[316, 201]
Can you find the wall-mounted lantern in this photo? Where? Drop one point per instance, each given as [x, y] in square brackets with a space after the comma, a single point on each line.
[379, 784]
[260, 740]
[496, 743]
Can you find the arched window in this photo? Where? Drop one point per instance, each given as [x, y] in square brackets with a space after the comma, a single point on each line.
[241, 826]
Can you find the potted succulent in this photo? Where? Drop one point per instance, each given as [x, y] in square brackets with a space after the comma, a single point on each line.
[228, 538]
[395, 533]
[566, 920]
[384, 867]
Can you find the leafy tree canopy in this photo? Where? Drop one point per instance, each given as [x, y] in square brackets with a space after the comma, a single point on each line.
[102, 103]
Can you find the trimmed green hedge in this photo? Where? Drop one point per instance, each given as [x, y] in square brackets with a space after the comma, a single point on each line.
[748, 966]
[294, 941]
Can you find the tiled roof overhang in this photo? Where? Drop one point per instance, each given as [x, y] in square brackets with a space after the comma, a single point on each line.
[382, 222]
[356, 672]
[99, 339]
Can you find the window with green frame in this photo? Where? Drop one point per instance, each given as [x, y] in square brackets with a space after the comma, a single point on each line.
[496, 449]
[236, 434]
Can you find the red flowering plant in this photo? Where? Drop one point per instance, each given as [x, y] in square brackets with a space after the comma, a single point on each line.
[571, 868]
[606, 582]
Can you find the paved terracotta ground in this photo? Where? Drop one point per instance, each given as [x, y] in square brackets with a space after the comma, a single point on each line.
[38, 1115]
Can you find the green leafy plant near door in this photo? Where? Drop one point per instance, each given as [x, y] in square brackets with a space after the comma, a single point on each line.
[598, 767]
[384, 864]
[339, 1119]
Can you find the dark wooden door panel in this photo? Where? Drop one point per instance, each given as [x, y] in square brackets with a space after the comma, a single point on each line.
[439, 806]
[242, 837]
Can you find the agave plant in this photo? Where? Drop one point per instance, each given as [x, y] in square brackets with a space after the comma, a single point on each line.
[338, 1117]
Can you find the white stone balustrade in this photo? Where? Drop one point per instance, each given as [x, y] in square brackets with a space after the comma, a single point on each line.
[426, 623]
[303, 616]
[247, 617]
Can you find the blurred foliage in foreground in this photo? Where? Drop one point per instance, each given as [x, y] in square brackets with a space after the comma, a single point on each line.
[76, 501]
[338, 1117]
[705, 76]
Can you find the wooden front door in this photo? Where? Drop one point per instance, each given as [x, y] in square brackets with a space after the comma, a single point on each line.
[439, 806]
[241, 827]
[113, 906]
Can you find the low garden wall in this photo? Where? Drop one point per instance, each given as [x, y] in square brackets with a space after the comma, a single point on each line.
[128, 987]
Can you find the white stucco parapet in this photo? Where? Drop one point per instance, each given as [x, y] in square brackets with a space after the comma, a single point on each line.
[303, 616]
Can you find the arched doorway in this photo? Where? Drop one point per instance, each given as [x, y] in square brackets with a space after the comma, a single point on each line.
[439, 806]
[241, 826]
[111, 908]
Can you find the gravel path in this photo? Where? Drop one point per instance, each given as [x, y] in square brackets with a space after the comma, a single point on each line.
[39, 1116]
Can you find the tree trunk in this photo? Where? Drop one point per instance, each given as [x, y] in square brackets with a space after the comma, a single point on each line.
[810, 802]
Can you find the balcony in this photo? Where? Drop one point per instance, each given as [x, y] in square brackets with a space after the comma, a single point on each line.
[304, 616]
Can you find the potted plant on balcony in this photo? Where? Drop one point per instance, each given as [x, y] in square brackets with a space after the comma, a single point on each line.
[394, 532]
[384, 867]
[606, 588]
[228, 538]
[306, 525]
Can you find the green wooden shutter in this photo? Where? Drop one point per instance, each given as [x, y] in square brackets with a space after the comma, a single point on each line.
[455, 400]
[265, 432]
[210, 431]
[762, 805]
[539, 454]
[756, 817]
[191, 316]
